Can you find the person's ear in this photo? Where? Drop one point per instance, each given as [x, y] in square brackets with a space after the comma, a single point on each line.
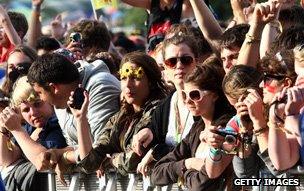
[215, 97]
[287, 82]
[53, 88]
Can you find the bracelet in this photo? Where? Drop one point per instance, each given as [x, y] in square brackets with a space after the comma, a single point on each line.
[65, 157]
[260, 131]
[216, 158]
[290, 114]
[215, 155]
[251, 39]
[36, 8]
[5, 133]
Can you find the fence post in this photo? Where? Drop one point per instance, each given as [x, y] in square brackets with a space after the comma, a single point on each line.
[51, 181]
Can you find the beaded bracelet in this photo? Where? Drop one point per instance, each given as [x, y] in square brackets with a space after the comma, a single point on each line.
[260, 131]
[36, 8]
[252, 39]
[215, 155]
[7, 134]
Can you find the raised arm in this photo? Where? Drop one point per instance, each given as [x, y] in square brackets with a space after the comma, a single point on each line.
[237, 10]
[11, 120]
[263, 13]
[283, 144]
[8, 27]
[35, 25]
[207, 23]
[271, 30]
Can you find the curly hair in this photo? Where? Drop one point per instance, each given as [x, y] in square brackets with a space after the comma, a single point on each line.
[234, 36]
[95, 36]
[52, 68]
[239, 79]
[19, 22]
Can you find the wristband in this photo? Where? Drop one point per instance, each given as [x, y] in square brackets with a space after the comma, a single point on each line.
[215, 154]
[36, 8]
[260, 131]
[252, 39]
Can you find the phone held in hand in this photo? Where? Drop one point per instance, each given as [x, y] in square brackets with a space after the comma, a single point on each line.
[78, 98]
[75, 37]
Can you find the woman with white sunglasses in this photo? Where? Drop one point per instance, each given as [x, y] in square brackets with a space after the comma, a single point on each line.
[187, 163]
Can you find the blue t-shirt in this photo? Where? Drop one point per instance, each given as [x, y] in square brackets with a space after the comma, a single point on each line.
[2, 188]
[51, 135]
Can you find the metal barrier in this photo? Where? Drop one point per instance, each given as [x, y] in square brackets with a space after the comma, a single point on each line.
[110, 182]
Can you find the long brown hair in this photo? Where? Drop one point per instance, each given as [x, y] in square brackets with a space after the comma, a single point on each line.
[209, 76]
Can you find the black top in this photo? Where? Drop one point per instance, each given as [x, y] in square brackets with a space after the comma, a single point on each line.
[159, 21]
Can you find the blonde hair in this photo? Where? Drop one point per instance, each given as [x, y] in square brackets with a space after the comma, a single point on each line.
[299, 52]
[23, 92]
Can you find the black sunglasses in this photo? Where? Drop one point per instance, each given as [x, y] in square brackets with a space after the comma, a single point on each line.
[268, 77]
[185, 60]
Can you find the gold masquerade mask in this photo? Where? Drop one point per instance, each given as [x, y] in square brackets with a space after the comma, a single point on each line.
[128, 71]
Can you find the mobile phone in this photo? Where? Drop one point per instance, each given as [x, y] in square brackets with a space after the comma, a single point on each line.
[78, 98]
[75, 37]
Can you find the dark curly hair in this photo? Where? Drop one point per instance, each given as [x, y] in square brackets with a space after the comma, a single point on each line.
[95, 36]
[19, 22]
[52, 68]
[234, 36]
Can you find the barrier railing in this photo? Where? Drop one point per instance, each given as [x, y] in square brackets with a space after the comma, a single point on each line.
[115, 182]
[110, 182]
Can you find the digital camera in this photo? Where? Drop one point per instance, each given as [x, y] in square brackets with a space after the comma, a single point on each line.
[229, 135]
[75, 37]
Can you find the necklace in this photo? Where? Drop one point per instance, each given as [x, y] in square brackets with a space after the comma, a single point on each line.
[179, 128]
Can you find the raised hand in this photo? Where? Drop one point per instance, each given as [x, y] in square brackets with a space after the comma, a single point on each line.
[265, 12]
[57, 27]
[37, 2]
[255, 106]
[10, 118]
[243, 114]
[3, 14]
[79, 114]
[295, 101]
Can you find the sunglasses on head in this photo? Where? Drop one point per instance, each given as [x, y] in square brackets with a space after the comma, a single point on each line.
[185, 60]
[268, 77]
[194, 95]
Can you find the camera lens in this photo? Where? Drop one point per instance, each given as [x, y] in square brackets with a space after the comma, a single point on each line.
[230, 139]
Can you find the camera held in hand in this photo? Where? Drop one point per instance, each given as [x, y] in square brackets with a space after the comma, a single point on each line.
[76, 37]
[230, 136]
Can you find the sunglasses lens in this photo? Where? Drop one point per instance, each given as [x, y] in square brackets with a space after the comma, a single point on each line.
[171, 62]
[186, 60]
[195, 95]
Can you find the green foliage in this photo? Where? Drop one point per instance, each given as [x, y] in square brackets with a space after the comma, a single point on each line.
[135, 17]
